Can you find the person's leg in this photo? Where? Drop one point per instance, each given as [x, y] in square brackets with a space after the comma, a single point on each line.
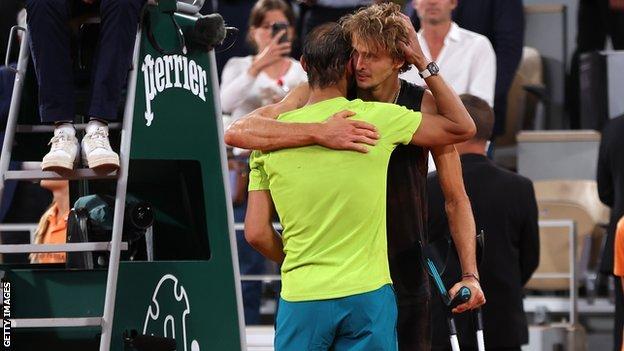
[48, 27]
[308, 325]
[118, 30]
[616, 29]
[591, 36]
[411, 284]
[367, 321]
[414, 327]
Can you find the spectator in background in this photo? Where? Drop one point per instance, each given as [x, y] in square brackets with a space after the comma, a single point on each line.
[618, 266]
[505, 208]
[610, 178]
[501, 21]
[596, 20]
[466, 58]
[52, 228]
[254, 81]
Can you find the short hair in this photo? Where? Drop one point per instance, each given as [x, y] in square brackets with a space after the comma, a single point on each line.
[259, 10]
[379, 26]
[482, 115]
[326, 53]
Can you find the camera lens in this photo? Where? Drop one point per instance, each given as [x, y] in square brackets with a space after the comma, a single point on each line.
[142, 215]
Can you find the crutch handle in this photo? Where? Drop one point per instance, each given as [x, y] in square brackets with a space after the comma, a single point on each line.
[463, 295]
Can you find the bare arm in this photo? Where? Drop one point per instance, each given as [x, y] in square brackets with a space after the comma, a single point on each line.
[260, 131]
[259, 231]
[458, 211]
[451, 123]
[461, 222]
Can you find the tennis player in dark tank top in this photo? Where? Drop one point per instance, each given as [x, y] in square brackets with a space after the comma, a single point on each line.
[377, 62]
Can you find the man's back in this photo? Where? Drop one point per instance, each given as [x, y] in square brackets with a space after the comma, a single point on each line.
[332, 203]
[505, 209]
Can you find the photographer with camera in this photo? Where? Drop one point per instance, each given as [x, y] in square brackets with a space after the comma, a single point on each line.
[251, 82]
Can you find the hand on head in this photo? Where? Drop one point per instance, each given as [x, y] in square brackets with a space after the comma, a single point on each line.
[412, 50]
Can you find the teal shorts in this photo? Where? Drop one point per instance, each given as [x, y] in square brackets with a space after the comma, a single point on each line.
[365, 322]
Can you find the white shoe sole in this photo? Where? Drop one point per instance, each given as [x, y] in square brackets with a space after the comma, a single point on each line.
[102, 162]
[50, 165]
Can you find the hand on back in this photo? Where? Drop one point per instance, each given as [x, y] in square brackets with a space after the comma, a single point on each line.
[339, 132]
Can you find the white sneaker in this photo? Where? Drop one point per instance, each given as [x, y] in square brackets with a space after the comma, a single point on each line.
[96, 149]
[63, 151]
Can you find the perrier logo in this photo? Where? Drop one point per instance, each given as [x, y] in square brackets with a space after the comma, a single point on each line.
[171, 71]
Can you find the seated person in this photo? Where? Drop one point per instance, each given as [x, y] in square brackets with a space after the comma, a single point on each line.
[52, 227]
[505, 208]
[262, 79]
[50, 46]
[466, 58]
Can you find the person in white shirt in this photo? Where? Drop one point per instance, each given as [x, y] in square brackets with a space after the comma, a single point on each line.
[467, 58]
[248, 83]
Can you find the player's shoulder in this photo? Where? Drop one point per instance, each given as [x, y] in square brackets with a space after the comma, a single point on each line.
[411, 87]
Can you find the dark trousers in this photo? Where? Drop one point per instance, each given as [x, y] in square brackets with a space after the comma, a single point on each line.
[48, 24]
[596, 21]
[414, 325]
[411, 284]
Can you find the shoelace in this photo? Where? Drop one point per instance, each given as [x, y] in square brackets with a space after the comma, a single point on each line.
[60, 141]
[98, 138]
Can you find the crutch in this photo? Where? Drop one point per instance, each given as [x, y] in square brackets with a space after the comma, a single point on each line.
[462, 295]
[477, 315]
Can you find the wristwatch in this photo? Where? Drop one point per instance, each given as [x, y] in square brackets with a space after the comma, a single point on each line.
[432, 69]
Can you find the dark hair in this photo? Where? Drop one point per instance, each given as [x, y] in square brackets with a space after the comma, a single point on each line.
[481, 113]
[326, 53]
[259, 10]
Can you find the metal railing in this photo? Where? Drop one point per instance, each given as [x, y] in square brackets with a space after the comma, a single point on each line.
[20, 227]
[572, 276]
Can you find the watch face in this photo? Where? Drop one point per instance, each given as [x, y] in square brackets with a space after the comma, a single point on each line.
[433, 68]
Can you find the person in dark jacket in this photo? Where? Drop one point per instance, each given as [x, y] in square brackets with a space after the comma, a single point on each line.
[505, 208]
[610, 178]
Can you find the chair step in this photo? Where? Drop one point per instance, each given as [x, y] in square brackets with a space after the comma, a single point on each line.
[79, 173]
[69, 247]
[56, 322]
[24, 128]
